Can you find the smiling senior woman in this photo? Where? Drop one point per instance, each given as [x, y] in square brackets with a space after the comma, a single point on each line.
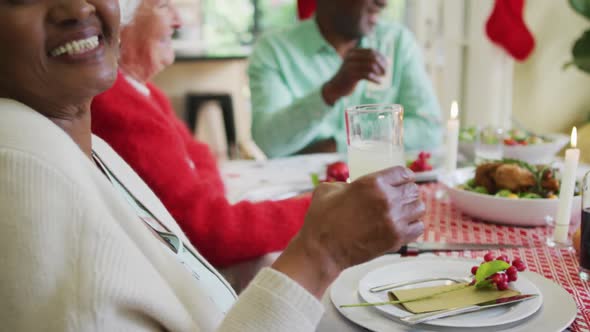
[86, 246]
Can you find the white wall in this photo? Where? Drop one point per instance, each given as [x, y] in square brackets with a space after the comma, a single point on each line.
[487, 85]
[546, 98]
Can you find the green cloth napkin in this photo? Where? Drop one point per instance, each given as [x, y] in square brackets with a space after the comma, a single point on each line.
[453, 296]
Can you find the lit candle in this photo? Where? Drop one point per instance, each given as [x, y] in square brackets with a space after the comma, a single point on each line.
[566, 191]
[452, 138]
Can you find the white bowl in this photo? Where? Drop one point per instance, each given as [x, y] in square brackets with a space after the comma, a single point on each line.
[518, 212]
[542, 153]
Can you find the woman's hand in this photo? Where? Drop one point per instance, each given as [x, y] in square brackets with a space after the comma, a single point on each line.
[348, 224]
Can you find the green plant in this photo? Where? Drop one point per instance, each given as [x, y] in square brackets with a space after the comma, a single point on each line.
[581, 49]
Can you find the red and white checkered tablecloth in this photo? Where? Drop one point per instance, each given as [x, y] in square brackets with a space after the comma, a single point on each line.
[444, 223]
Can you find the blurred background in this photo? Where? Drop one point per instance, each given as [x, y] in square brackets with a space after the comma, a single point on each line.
[209, 77]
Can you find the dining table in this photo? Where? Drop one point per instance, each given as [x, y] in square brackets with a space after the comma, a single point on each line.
[444, 223]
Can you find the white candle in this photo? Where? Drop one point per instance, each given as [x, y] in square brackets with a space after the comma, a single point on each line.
[566, 191]
[452, 139]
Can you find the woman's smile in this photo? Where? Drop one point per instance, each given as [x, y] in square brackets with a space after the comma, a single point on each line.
[81, 45]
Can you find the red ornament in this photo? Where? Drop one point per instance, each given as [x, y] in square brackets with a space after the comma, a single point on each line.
[337, 171]
[305, 8]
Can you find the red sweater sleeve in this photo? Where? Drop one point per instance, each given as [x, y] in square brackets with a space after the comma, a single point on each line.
[155, 148]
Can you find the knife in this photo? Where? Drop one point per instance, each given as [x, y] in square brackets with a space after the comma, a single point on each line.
[415, 248]
[421, 318]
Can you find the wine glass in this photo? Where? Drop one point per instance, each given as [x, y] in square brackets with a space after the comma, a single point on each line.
[585, 230]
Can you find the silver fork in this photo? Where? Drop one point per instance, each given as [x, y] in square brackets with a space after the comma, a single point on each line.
[381, 288]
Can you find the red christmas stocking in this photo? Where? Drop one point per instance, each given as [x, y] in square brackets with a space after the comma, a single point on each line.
[305, 8]
[506, 27]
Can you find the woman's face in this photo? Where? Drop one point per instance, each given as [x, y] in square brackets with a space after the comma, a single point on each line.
[146, 44]
[57, 52]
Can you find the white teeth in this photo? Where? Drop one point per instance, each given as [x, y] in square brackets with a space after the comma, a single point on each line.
[76, 46]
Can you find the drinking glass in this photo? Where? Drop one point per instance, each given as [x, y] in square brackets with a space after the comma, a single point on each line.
[489, 144]
[375, 91]
[585, 230]
[375, 138]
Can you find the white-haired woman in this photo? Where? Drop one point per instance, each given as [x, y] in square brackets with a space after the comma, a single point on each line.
[137, 120]
[86, 246]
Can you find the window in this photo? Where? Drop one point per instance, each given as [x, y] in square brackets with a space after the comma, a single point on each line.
[229, 27]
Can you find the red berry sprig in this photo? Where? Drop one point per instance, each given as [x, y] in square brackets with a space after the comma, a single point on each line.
[500, 278]
[421, 164]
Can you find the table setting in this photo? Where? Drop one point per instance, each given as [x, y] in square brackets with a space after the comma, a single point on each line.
[502, 249]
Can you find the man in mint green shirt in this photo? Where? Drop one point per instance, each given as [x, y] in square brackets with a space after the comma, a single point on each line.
[303, 78]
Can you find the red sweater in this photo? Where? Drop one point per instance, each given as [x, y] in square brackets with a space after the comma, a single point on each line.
[184, 175]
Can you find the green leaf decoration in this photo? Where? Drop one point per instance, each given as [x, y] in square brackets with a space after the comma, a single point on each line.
[581, 52]
[581, 6]
[484, 284]
[315, 179]
[487, 269]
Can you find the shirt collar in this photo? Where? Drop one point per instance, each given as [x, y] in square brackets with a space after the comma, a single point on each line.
[315, 41]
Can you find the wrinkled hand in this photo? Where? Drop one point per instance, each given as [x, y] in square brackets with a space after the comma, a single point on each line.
[358, 64]
[349, 224]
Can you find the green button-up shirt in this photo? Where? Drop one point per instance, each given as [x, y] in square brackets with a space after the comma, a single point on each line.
[289, 67]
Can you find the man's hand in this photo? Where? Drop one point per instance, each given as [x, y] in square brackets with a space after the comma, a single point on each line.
[359, 64]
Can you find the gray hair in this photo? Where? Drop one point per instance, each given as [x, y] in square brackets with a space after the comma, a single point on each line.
[128, 8]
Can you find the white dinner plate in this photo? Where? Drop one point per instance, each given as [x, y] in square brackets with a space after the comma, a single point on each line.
[518, 212]
[407, 270]
[556, 314]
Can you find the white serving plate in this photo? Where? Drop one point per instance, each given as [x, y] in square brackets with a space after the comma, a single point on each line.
[518, 212]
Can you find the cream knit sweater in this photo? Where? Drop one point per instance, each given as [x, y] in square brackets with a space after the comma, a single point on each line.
[75, 257]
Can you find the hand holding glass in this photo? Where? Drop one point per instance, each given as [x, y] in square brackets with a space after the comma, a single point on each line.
[374, 138]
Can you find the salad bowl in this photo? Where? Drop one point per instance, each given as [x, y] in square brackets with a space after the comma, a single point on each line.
[541, 151]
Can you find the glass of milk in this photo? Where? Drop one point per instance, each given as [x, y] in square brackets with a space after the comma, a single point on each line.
[374, 138]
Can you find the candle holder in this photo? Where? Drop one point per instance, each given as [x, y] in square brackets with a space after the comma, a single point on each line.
[550, 240]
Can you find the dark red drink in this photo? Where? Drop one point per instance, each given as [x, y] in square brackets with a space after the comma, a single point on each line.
[585, 242]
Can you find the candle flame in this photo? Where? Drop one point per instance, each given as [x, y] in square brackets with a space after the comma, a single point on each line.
[574, 138]
[454, 110]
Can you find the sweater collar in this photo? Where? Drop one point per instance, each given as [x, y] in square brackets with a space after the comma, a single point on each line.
[140, 87]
